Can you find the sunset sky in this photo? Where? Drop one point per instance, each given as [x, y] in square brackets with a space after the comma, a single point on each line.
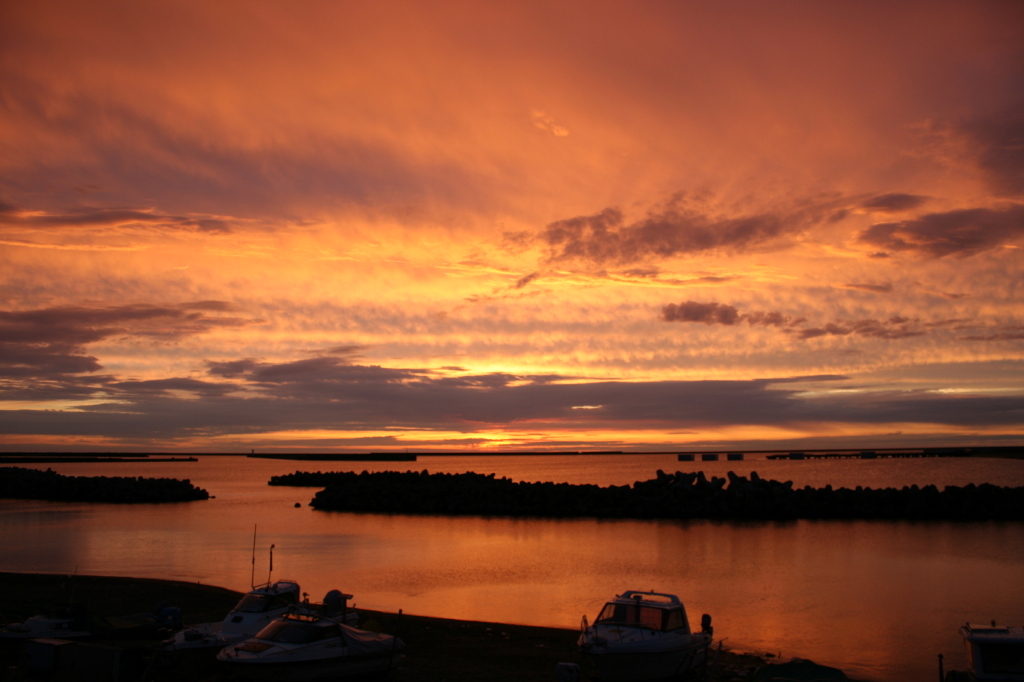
[483, 226]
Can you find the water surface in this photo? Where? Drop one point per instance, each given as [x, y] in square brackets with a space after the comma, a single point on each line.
[878, 599]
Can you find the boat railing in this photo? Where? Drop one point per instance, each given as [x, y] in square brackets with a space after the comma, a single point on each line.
[659, 597]
[268, 585]
[8, 619]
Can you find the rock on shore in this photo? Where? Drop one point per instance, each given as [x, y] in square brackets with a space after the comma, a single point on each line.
[669, 496]
[33, 484]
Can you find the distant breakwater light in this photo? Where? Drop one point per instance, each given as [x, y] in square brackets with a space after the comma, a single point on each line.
[668, 496]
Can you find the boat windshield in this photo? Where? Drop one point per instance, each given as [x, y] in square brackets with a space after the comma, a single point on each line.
[636, 615]
[292, 632]
[1003, 658]
[260, 603]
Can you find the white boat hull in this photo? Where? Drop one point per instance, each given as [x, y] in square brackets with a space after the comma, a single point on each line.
[633, 666]
[644, 636]
[313, 648]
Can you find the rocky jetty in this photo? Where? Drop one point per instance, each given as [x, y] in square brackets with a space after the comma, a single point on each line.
[669, 496]
[33, 484]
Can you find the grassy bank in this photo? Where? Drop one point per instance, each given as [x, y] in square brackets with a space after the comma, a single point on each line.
[437, 649]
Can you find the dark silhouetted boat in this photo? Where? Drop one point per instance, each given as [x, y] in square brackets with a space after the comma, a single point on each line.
[306, 647]
[995, 653]
[644, 636]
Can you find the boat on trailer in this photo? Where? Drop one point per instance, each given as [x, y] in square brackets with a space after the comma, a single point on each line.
[65, 622]
[308, 647]
[76, 621]
[995, 653]
[644, 636]
[258, 608]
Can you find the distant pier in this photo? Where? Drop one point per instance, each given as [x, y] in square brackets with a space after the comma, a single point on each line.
[1015, 452]
[875, 454]
[53, 458]
[371, 457]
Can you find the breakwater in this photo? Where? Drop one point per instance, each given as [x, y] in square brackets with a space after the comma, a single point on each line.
[668, 496]
[371, 457]
[33, 484]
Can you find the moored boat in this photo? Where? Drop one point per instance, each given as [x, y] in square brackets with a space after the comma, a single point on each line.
[65, 622]
[258, 607]
[307, 647]
[76, 621]
[995, 653]
[644, 636]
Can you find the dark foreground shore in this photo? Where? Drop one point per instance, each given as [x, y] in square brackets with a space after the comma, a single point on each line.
[437, 649]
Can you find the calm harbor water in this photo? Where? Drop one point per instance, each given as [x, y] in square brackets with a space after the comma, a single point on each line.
[878, 599]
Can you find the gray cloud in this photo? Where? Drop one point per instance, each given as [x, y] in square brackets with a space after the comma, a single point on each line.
[327, 370]
[347, 351]
[161, 386]
[770, 319]
[51, 360]
[676, 229]
[708, 313]
[998, 141]
[48, 344]
[75, 326]
[413, 398]
[1004, 333]
[523, 281]
[153, 158]
[895, 327]
[720, 313]
[874, 288]
[1002, 336]
[233, 368]
[963, 232]
[91, 217]
[893, 203]
[219, 306]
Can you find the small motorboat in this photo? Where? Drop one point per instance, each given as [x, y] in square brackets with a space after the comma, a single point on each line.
[306, 647]
[76, 621]
[259, 607]
[64, 622]
[644, 636]
[995, 653]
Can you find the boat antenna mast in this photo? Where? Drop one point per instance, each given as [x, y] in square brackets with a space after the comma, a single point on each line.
[252, 578]
[271, 571]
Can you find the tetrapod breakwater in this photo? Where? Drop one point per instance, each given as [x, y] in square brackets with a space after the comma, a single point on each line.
[668, 496]
[33, 484]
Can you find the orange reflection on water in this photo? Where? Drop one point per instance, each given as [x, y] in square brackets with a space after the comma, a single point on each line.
[878, 599]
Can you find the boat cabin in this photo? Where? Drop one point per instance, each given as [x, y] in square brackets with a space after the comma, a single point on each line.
[994, 652]
[280, 595]
[650, 610]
